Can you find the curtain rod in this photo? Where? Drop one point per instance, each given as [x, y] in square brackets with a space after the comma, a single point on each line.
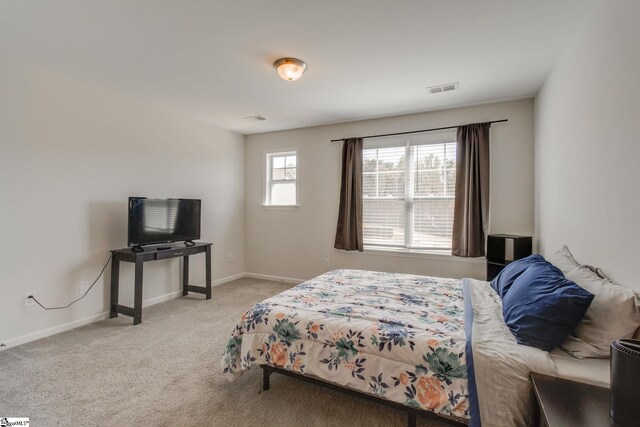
[417, 131]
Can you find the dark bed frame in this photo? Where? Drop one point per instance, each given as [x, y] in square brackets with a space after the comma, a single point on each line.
[412, 413]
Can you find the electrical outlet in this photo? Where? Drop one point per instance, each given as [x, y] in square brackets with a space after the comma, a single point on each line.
[84, 287]
[29, 302]
[230, 257]
[327, 262]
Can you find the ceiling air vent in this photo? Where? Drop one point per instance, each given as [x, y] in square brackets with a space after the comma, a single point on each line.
[443, 88]
[257, 118]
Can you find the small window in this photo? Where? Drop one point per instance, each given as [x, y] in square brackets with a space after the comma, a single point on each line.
[281, 179]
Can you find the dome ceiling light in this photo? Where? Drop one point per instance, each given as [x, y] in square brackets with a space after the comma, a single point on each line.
[290, 69]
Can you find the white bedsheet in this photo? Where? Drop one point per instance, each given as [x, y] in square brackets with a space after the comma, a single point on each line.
[590, 370]
[502, 366]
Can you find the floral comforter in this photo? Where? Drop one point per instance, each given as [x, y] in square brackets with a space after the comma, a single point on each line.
[397, 336]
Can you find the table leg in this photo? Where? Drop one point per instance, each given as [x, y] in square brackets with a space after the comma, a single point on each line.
[115, 284]
[185, 275]
[137, 297]
[208, 273]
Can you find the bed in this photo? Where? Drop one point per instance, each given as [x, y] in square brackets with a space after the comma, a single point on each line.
[434, 346]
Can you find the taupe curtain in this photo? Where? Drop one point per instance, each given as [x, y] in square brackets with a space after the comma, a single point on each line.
[471, 211]
[349, 229]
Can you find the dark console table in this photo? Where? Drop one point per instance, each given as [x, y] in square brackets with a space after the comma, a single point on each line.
[176, 250]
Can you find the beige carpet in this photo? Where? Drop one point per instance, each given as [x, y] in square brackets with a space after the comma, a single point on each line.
[166, 372]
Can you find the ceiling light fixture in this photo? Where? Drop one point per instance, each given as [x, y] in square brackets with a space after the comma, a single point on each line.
[290, 69]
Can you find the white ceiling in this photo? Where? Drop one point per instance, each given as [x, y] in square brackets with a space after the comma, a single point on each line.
[366, 58]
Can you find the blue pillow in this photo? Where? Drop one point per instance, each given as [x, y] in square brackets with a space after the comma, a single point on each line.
[542, 307]
[504, 280]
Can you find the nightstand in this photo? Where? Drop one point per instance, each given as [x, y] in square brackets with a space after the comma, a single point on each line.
[503, 249]
[564, 403]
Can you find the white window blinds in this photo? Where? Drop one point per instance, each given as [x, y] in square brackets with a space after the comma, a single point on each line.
[408, 191]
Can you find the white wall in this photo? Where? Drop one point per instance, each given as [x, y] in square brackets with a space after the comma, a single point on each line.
[295, 243]
[587, 147]
[70, 155]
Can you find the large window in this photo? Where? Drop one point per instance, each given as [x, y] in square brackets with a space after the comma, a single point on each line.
[281, 179]
[408, 192]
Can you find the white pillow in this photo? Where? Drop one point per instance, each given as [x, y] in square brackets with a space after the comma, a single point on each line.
[614, 313]
[563, 260]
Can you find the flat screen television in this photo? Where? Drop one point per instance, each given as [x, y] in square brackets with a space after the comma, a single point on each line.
[157, 221]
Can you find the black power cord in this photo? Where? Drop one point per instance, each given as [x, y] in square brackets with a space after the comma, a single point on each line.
[83, 295]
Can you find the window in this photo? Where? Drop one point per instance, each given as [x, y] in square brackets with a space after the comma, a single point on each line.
[408, 191]
[281, 179]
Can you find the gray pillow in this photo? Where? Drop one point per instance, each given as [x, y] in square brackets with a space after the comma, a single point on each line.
[614, 313]
[563, 259]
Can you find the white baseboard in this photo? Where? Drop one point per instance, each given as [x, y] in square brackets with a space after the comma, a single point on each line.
[161, 298]
[178, 293]
[228, 279]
[274, 278]
[43, 333]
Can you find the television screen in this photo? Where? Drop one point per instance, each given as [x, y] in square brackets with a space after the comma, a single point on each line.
[153, 221]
